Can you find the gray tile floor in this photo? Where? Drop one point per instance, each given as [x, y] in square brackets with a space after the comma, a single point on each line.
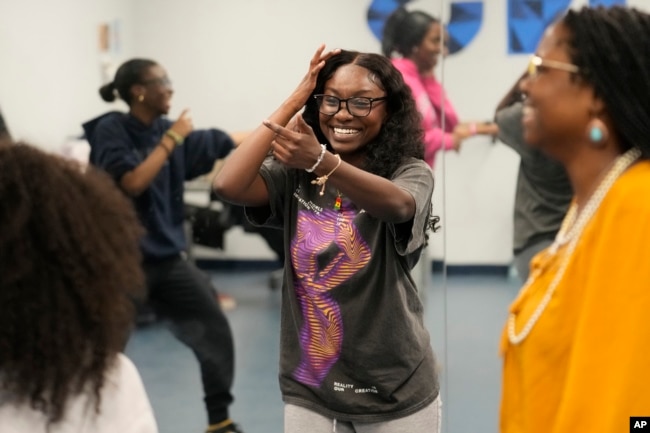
[464, 314]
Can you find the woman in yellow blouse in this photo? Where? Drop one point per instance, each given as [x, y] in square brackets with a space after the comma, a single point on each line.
[576, 346]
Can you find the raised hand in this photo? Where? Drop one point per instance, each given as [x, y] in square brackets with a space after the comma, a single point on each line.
[296, 145]
[184, 124]
[308, 82]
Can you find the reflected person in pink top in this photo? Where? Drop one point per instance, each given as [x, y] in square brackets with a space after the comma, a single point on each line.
[414, 40]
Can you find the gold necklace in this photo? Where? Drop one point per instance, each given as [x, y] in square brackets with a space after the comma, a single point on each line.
[572, 227]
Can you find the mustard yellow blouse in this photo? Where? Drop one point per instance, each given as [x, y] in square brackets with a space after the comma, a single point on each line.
[585, 366]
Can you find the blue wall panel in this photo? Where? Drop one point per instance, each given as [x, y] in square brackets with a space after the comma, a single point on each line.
[526, 21]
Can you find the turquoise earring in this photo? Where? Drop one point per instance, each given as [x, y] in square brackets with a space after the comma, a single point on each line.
[597, 132]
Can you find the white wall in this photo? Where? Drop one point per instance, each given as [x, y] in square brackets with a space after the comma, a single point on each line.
[50, 70]
[233, 62]
[480, 179]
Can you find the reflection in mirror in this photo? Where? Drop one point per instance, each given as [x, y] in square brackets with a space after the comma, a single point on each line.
[476, 285]
[414, 38]
[447, 132]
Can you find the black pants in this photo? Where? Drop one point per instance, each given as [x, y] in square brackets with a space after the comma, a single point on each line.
[183, 294]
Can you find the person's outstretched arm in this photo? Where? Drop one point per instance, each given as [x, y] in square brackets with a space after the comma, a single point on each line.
[380, 197]
[136, 181]
[239, 180]
[295, 146]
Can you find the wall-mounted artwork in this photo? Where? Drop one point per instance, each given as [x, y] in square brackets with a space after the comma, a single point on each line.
[526, 21]
[109, 45]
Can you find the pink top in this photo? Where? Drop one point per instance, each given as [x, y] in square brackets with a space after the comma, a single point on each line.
[429, 96]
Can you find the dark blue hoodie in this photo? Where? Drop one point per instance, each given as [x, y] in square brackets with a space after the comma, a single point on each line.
[119, 143]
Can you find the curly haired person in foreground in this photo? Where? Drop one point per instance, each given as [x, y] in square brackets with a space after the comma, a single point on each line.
[70, 265]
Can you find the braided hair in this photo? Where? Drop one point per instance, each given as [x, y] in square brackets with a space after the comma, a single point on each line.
[611, 46]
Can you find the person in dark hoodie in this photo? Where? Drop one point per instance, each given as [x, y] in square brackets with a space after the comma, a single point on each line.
[150, 157]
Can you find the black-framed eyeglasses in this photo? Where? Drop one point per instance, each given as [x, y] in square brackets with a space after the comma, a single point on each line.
[536, 63]
[158, 81]
[356, 106]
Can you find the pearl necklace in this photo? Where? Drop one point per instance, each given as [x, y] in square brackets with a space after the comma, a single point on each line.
[570, 231]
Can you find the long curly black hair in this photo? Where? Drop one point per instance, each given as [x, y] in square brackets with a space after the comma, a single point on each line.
[401, 135]
[70, 268]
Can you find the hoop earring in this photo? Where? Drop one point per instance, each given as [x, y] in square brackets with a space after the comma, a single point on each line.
[597, 132]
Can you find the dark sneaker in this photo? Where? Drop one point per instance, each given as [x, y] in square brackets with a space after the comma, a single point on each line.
[230, 428]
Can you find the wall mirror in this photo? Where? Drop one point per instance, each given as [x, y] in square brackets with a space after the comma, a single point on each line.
[476, 188]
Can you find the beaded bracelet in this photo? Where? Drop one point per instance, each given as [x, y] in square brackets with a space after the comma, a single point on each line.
[322, 180]
[178, 138]
[323, 148]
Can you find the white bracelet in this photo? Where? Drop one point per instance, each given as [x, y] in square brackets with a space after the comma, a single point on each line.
[322, 180]
[323, 148]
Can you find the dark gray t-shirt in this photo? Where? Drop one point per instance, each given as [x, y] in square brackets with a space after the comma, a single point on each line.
[543, 190]
[353, 343]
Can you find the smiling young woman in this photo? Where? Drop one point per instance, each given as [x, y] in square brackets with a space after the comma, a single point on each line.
[347, 181]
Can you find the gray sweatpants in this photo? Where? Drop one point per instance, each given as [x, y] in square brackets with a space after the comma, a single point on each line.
[300, 420]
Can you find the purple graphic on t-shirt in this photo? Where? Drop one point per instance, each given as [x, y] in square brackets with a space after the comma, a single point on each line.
[332, 233]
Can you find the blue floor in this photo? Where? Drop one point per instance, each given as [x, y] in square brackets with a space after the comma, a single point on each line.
[465, 337]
